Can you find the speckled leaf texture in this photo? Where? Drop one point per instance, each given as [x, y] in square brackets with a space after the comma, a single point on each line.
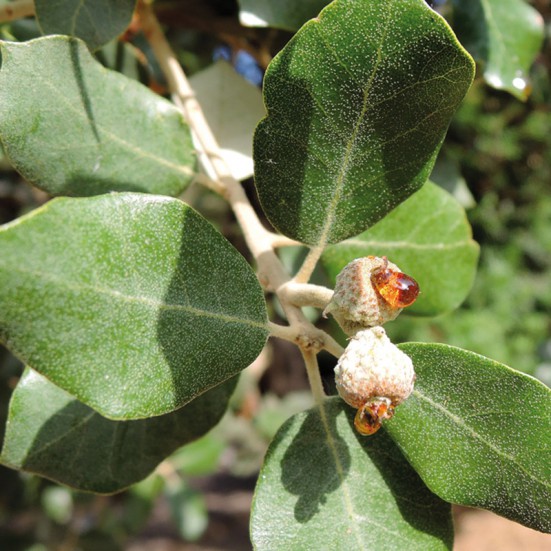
[358, 104]
[323, 486]
[94, 21]
[478, 433]
[505, 36]
[429, 237]
[132, 303]
[52, 434]
[72, 127]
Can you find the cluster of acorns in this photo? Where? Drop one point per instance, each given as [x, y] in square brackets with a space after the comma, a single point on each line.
[372, 375]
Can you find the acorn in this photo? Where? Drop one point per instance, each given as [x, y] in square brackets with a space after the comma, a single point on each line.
[373, 376]
[370, 291]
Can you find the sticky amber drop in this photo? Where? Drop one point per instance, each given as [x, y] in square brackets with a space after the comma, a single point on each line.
[368, 418]
[397, 288]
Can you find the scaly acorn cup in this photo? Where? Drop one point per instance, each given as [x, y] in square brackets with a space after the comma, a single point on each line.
[373, 376]
[370, 291]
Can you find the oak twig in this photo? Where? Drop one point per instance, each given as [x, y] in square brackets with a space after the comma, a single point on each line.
[16, 10]
[261, 242]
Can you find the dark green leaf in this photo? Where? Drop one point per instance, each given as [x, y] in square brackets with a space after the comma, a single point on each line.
[429, 238]
[505, 35]
[132, 303]
[52, 434]
[281, 14]
[358, 104]
[323, 486]
[478, 433]
[95, 21]
[71, 127]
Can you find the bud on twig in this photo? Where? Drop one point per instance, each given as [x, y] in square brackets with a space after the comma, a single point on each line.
[370, 291]
[374, 376]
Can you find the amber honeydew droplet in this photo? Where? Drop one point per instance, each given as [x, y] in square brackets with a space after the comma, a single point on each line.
[368, 418]
[397, 288]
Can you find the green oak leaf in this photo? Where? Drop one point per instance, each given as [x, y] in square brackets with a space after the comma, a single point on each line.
[72, 127]
[280, 14]
[51, 433]
[428, 237]
[323, 486]
[94, 21]
[478, 433]
[505, 35]
[132, 303]
[358, 104]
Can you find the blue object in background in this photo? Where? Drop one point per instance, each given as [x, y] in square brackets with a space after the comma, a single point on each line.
[243, 62]
[222, 52]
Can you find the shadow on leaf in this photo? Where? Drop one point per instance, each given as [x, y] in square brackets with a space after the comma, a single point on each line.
[405, 485]
[69, 442]
[315, 463]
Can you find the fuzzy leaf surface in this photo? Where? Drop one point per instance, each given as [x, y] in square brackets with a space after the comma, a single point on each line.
[94, 21]
[51, 433]
[72, 127]
[428, 237]
[505, 35]
[478, 433]
[280, 14]
[132, 303]
[358, 104]
[323, 486]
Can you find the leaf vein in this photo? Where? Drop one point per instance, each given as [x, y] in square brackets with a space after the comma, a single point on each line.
[477, 436]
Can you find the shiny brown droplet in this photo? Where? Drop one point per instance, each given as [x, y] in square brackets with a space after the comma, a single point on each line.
[396, 288]
[368, 418]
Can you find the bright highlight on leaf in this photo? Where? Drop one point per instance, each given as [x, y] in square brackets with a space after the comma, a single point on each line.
[52, 434]
[72, 127]
[280, 14]
[358, 105]
[505, 36]
[132, 303]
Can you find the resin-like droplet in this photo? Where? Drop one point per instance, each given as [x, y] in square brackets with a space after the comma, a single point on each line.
[368, 418]
[397, 288]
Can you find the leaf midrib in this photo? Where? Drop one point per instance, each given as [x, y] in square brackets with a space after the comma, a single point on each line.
[475, 435]
[136, 150]
[332, 208]
[156, 304]
[344, 485]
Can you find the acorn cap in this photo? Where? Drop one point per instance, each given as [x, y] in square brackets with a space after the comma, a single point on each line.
[356, 303]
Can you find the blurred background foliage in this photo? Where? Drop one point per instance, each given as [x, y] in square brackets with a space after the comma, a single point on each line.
[496, 161]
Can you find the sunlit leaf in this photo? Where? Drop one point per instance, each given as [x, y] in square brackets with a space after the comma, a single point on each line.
[428, 237]
[72, 127]
[281, 14]
[232, 107]
[133, 303]
[478, 433]
[505, 36]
